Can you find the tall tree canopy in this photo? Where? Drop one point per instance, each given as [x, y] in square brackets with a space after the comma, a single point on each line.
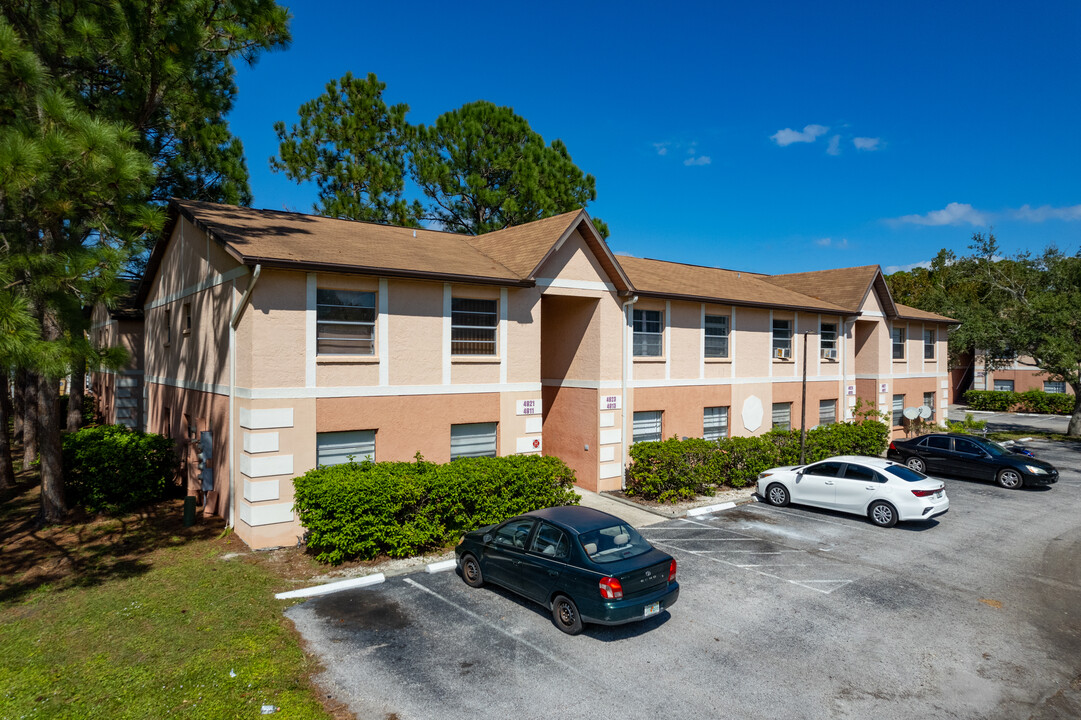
[478, 168]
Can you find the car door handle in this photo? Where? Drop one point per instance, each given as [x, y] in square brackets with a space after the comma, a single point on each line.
[870, 487]
[553, 573]
[829, 482]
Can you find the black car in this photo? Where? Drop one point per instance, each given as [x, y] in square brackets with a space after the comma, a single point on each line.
[972, 457]
[585, 565]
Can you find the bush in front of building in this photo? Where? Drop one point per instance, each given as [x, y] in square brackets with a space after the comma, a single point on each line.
[400, 509]
[1033, 401]
[114, 469]
[673, 470]
[991, 400]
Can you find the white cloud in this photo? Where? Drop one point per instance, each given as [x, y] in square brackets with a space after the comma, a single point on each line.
[866, 143]
[789, 136]
[834, 146]
[952, 214]
[830, 242]
[890, 269]
[661, 147]
[1027, 213]
[700, 160]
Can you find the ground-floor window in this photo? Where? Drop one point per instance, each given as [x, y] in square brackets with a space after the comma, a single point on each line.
[898, 409]
[929, 401]
[1054, 386]
[647, 426]
[1004, 385]
[338, 448]
[827, 412]
[715, 423]
[473, 440]
[782, 416]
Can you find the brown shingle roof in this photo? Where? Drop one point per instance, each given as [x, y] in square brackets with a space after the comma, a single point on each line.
[910, 313]
[846, 287]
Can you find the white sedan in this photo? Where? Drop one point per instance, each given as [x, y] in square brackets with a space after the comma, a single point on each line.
[879, 489]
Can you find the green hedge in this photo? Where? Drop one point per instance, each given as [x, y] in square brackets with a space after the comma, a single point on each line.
[114, 469]
[1033, 401]
[673, 470]
[400, 509]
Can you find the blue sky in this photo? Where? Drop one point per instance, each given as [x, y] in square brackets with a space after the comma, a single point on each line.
[770, 137]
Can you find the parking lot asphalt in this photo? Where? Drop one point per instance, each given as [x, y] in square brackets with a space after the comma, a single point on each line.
[1013, 422]
[783, 612]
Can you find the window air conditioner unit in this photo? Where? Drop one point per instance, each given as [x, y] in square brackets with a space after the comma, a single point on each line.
[829, 354]
[781, 354]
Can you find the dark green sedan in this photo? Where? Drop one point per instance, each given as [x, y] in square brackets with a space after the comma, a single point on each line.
[585, 565]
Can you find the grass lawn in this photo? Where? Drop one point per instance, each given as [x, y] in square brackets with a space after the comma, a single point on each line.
[140, 617]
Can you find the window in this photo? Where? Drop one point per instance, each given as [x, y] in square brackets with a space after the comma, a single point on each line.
[827, 338]
[472, 326]
[715, 423]
[967, 447]
[515, 533]
[782, 338]
[345, 322]
[339, 448]
[861, 473]
[938, 442]
[827, 469]
[716, 336]
[929, 401]
[187, 318]
[898, 343]
[472, 440]
[168, 326]
[550, 541]
[648, 333]
[647, 426]
[782, 416]
[1004, 385]
[1054, 386]
[898, 408]
[827, 412]
[928, 344]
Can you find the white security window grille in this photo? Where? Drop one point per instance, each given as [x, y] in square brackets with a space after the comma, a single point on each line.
[715, 423]
[782, 416]
[473, 440]
[647, 426]
[928, 344]
[1054, 386]
[827, 412]
[898, 408]
[336, 448]
[648, 333]
[782, 338]
[473, 326]
[716, 336]
[929, 401]
[345, 322]
[827, 333]
[1004, 385]
[898, 343]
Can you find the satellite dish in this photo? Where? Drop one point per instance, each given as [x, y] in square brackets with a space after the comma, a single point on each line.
[911, 413]
[925, 412]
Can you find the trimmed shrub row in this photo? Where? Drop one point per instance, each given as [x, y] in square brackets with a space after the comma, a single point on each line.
[114, 469]
[400, 509]
[673, 470]
[1033, 401]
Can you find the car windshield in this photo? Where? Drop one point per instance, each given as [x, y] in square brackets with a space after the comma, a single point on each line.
[614, 543]
[906, 474]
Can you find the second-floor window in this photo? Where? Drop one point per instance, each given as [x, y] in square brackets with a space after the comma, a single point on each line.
[782, 338]
[473, 325]
[928, 344]
[168, 326]
[716, 336]
[898, 343]
[828, 339]
[648, 333]
[345, 322]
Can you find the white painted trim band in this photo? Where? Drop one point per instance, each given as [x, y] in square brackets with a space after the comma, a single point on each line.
[198, 287]
[575, 284]
[332, 587]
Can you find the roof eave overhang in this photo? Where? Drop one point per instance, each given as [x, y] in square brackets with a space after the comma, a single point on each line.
[745, 303]
[598, 246]
[305, 266]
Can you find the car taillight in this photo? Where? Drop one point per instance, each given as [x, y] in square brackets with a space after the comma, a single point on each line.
[672, 570]
[924, 493]
[611, 589]
[892, 446]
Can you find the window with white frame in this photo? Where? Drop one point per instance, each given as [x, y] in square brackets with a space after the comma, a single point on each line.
[898, 409]
[338, 448]
[473, 326]
[898, 343]
[782, 339]
[928, 344]
[648, 333]
[827, 412]
[715, 423]
[473, 440]
[716, 336]
[929, 401]
[782, 416]
[1003, 385]
[647, 426]
[168, 326]
[1054, 386]
[345, 322]
[827, 338]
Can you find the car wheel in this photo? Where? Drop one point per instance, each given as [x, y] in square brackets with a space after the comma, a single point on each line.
[565, 614]
[777, 494]
[917, 464]
[471, 571]
[882, 514]
[1009, 479]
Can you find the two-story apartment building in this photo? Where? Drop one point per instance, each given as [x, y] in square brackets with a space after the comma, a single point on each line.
[278, 341]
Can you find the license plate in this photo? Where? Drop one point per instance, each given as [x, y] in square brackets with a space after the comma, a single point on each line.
[652, 609]
[938, 494]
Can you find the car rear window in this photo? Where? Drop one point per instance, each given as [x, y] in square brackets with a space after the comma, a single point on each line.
[905, 473]
[614, 543]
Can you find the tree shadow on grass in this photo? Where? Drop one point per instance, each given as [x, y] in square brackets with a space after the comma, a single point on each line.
[84, 550]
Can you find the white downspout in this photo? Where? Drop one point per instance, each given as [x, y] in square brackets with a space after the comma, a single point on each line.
[238, 312]
[625, 445]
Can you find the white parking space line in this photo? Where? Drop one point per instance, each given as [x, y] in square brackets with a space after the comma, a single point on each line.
[809, 516]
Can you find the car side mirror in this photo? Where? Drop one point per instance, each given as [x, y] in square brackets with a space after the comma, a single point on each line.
[488, 538]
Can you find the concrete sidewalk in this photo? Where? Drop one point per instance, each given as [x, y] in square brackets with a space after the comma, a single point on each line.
[636, 516]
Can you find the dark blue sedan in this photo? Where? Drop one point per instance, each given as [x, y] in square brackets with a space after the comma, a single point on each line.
[585, 565]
